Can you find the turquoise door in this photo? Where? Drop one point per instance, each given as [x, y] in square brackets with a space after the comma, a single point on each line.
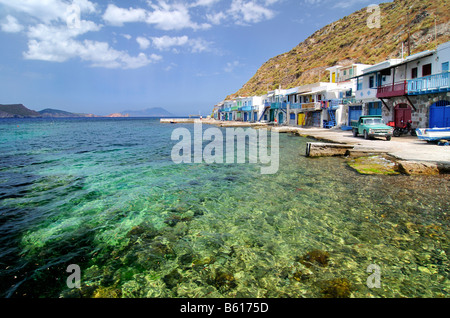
[280, 118]
[272, 115]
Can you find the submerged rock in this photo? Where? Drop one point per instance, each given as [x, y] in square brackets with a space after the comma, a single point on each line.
[374, 165]
[300, 276]
[172, 279]
[107, 292]
[315, 257]
[336, 288]
[143, 231]
[224, 280]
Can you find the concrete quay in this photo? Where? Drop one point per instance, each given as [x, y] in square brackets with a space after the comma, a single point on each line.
[412, 154]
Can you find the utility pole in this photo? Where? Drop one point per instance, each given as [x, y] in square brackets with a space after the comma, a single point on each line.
[435, 31]
[409, 33]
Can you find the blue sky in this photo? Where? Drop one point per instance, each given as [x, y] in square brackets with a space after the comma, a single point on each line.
[101, 57]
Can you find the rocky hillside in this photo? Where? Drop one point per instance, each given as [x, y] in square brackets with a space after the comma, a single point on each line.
[350, 40]
[17, 111]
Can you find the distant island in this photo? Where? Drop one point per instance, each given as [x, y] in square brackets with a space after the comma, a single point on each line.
[149, 112]
[21, 111]
[17, 111]
[56, 113]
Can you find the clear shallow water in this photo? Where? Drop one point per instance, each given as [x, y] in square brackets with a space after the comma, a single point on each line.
[104, 194]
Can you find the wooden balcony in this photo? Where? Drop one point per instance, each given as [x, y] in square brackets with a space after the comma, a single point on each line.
[392, 90]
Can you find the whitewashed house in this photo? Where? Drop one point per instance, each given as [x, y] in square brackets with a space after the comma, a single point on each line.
[415, 89]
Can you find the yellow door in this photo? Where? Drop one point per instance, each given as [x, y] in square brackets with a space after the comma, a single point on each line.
[301, 119]
[333, 77]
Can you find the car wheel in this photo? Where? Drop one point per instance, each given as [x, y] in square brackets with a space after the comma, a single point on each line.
[355, 132]
[366, 135]
[388, 138]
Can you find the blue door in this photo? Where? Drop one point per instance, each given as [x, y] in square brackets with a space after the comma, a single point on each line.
[440, 114]
[354, 112]
[375, 108]
[245, 116]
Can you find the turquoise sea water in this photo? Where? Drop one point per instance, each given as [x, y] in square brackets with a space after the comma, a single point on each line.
[104, 194]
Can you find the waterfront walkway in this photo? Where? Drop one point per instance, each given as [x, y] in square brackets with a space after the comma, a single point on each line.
[406, 148]
[403, 148]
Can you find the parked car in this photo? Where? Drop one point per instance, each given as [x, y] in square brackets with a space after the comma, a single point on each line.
[371, 126]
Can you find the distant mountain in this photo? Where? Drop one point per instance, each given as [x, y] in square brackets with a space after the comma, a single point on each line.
[56, 113]
[48, 112]
[149, 112]
[17, 111]
[117, 115]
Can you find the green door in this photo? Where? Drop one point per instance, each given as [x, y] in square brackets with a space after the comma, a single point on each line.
[280, 118]
[272, 115]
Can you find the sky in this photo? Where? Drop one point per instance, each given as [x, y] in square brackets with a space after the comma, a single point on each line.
[103, 57]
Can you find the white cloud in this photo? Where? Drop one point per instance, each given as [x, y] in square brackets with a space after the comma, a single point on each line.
[118, 16]
[48, 10]
[204, 3]
[216, 18]
[163, 16]
[199, 45]
[172, 17]
[231, 66]
[144, 43]
[244, 12]
[11, 25]
[249, 12]
[59, 44]
[165, 43]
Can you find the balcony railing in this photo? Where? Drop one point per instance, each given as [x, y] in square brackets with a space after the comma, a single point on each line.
[295, 105]
[392, 90]
[278, 105]
[331, 103]
[429, 84]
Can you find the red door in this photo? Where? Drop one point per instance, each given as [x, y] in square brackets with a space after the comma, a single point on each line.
[402, 114]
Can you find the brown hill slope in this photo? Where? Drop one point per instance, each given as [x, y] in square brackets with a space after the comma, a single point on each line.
[350, 40]
[17, 110]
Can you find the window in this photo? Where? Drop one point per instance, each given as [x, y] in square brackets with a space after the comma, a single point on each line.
[379, 79]
[414, 72]
[445, 67]
[373, 82]
[359, 84]
[426, 70]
